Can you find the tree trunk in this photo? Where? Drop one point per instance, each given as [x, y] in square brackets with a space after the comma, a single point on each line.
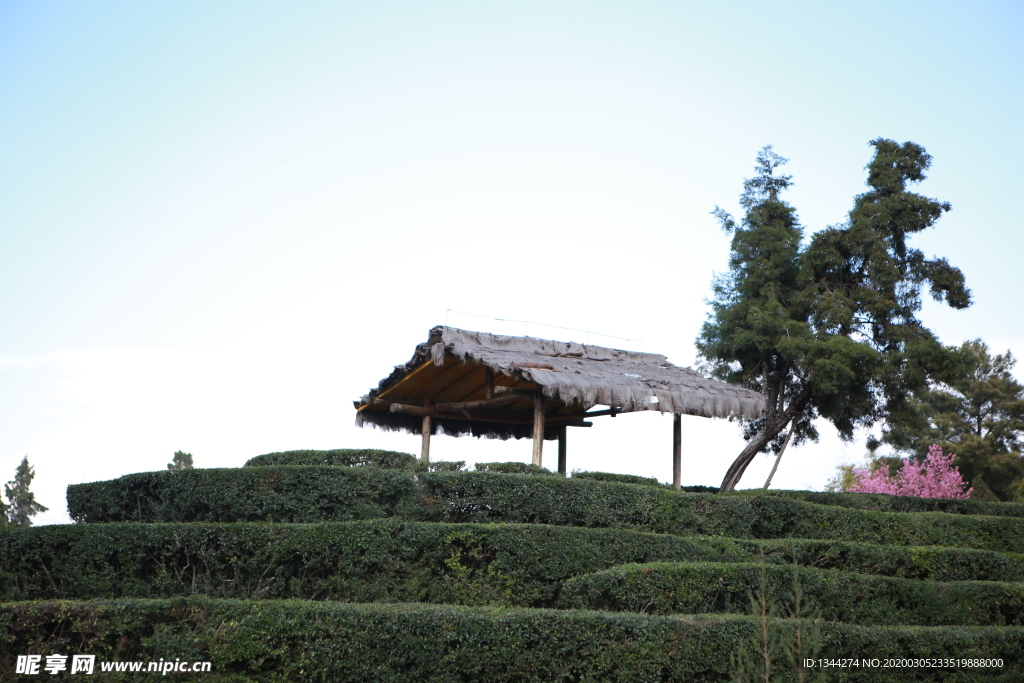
[778, 458]
[771, 429]
[746, 456]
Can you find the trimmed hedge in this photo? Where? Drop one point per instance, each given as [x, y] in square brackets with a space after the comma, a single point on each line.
[363, 457]
[275, 641]
[639, 481]
[338, 457]
[485, 497]
[621, 478]
[886, 503]
[310, 494]
[522, 565]
[930, 563]
[698, 588]
[247, 494]
[515, 468]
[699, 488]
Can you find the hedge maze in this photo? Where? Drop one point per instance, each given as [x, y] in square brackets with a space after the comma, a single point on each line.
[367, 566]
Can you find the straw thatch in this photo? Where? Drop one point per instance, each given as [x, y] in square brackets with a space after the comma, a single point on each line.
[452, 366]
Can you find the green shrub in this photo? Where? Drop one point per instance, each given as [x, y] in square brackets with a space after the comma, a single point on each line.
[640, 481]
[621, 478]
[390, 561]
[933, 563]
[886, 503]
[248, 494]
[514, 468]
[699, 489]
[698, 588]
[485, 497]
[310, 494]
[442, 466]
[339, 457]
[275, 641]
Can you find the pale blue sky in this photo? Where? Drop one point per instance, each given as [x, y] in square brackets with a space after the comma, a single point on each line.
[190, 182]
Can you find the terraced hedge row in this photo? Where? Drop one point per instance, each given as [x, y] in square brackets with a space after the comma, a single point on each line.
[621, 478]
[248, 494]
[338, 457]
[313, 494]
[273, 641]
[392, 561]
[348, 527]
[886, 503]
[709, 587]
[641, 481]
[366, 457]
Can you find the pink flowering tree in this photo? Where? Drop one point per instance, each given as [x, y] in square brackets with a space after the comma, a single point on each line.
[935, 477]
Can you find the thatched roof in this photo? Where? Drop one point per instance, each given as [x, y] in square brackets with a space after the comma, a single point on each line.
[456, 366]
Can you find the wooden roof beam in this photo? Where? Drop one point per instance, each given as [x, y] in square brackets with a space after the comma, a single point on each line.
[526, 419]
[474, 405]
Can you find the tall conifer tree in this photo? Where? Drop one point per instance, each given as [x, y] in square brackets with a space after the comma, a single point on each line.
[834, 333]
[23, 505]
[760, 310]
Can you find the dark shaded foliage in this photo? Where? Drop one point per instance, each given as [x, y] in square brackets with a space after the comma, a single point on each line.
[272, 641]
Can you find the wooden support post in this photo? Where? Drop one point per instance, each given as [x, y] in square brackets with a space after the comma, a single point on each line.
[489, 383]
[561, 449]
[538, 426]
[427, 428]
[677, 451]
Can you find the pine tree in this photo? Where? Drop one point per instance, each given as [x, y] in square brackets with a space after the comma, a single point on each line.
[977, 410]
[830, 330]
[23, 505]
[181, 461]
[760, 319]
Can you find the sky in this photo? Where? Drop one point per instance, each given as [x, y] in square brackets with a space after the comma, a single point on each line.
[221, 223]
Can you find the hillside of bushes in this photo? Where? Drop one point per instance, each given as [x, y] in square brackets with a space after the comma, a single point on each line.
[369, 566]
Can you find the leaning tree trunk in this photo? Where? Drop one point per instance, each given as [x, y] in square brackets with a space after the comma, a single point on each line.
[746, 456]
[778, 458]
[772, 428]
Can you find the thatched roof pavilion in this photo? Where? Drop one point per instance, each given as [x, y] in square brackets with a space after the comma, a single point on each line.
[460, 382]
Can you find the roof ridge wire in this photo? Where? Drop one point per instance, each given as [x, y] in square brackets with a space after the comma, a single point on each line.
[527, 322]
